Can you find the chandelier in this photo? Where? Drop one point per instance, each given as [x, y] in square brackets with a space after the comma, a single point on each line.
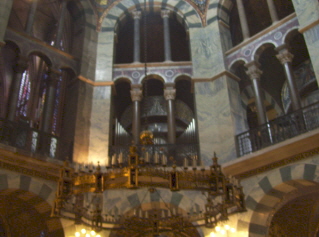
[224, 195]
[144, 167]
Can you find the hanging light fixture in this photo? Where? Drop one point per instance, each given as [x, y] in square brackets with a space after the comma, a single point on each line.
[144, 168]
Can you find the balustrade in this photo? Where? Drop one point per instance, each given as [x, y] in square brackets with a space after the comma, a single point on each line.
[39, 144]
[278, 130]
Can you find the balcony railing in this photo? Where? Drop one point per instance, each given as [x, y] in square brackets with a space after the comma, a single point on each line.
[278, 130]
[159, 154]
[33, 141]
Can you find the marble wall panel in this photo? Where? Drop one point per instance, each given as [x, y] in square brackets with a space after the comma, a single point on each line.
[88, 61]
[104, 57]
[215, 120]
[238, 112]
[207, 55]
[307, 11]
[5, 9]
[312, 40]
[83, 123]
[99, 124]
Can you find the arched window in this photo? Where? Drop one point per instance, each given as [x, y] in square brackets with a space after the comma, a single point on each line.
[155, 46]
[256, 16]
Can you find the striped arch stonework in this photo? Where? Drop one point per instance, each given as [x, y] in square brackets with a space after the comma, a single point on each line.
[35, 192]
[187, 11]
[268, 193]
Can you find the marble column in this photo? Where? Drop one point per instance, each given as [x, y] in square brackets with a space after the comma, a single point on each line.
[31, 16]
[285, 58]
[137, 17]
[49, 103]
[169, 94]
[60, 24]
[243, 19]
[167, 43]
[272, 11]
[19, 69]
[254, 73]
[136, 96]
[5, 9]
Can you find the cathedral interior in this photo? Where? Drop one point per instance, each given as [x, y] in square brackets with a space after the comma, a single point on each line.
[171, 118]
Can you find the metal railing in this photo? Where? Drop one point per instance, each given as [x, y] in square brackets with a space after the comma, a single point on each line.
[172, 153]
[36, 142]
[278, 130]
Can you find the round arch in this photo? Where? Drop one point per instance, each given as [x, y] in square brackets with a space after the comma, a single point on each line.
[180, 7]
[27, 214]
[266, 197]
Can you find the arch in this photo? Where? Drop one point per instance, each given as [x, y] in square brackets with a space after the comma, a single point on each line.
[290, 34]
[269, 192]
[236, 63]
[30, 209]
[69, 70]
[182, 76]
[32, 189]
[182, 8]
[152, 76]
[14, 45]
[42, 55]
[120, 79]
[261, 48]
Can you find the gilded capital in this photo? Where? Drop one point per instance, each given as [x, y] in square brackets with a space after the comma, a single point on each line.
[253, 70]
[169, 94]
[284, 56]
[136, 14]
[136, 95]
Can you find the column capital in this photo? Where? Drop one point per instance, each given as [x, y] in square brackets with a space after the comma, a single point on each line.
[165, 13]
[284, 56]
[169, 93]
[253, 70]
[136, 14]
[136, 94]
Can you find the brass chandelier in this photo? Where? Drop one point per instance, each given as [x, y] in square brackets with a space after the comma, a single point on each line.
[145, 168]
[224, 196]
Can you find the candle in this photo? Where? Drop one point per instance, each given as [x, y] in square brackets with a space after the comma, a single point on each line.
[147, 157]
[194, 162]
[185, 162]
[114, 160]
[164, 159]
[156, 158]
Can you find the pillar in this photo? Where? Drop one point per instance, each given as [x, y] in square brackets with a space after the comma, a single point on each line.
[285, 58]
[243, 19]
[272, 11]
[60, 24]
[169, 94]
[31, 16]
[254, 73]
[167, 43]
[49, 103]
[137, 17]
[20, 67]
[136, 96]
